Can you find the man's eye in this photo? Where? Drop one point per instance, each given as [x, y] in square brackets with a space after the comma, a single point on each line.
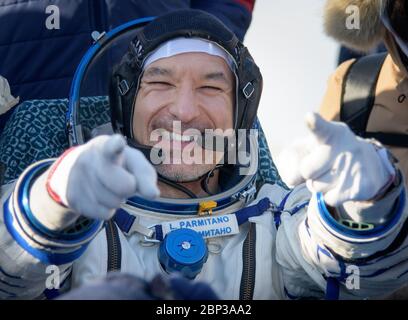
[211, 88]
[160, 83]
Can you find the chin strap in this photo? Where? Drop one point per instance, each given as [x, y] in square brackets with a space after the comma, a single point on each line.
[177, 186]
[205, 179]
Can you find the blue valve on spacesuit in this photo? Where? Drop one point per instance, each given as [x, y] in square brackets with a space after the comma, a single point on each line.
[184, 251]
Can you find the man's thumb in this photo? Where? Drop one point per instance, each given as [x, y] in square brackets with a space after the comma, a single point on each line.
[322, 130]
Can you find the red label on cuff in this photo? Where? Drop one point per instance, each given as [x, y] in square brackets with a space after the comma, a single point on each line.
[54, 167]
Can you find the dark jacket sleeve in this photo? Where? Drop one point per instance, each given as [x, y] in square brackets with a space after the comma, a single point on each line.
[236, 14]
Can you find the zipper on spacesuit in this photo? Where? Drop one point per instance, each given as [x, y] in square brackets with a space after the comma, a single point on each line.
[114, 247]
[249, 264]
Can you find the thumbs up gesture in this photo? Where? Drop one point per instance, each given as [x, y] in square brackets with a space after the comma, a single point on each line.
[96, 178]
[334, 161]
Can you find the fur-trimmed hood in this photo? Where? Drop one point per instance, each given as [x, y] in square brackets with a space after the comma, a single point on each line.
[371, 31]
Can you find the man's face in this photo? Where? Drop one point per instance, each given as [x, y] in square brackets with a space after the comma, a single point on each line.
[178, 97]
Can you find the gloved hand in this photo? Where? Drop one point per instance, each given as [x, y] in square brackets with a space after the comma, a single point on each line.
[334, 161]
[7, 101]
[96, 178]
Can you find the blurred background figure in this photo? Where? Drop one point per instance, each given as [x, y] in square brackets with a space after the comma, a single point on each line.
[347, 53]
[41, 43]
[370, 94]
[159, 288]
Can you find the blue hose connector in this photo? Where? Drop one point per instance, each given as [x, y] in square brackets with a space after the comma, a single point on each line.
[184, 251]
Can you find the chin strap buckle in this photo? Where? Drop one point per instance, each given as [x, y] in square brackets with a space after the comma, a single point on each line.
[206, 207]
[123, 87]
[248, 90]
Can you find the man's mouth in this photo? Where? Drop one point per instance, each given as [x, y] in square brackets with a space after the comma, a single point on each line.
[174, 136]
[171, 140]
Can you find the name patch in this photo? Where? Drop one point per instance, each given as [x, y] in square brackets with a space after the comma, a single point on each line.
[208, 227]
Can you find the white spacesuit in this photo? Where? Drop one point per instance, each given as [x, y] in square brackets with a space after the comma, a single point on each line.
[341, 233]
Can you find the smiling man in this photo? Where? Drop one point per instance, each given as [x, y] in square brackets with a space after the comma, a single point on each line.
[181, 94]
[183, 74]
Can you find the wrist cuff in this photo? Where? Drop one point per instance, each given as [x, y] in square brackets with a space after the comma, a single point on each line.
[28, 225]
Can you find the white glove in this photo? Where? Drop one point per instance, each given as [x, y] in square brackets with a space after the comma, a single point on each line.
[96, 178]
[7, 101]
[334, 161]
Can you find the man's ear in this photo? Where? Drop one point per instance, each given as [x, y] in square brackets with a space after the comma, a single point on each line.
[340, 22]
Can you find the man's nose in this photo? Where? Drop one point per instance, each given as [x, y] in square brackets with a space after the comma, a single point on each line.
[185, 107]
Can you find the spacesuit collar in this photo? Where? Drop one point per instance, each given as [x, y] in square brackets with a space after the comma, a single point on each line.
[231, 199]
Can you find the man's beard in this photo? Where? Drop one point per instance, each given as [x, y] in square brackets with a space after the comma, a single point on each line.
[183, 173]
